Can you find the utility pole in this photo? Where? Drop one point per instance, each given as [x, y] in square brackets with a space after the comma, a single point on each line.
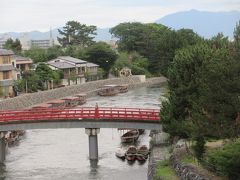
[52, 83]
[26, 87]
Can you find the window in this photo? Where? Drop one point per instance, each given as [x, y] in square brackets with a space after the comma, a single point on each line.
[18, 76]
[6, 75]
[5, 59]
[83, 69]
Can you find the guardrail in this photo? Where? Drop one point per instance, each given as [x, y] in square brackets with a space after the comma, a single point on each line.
[45, 114]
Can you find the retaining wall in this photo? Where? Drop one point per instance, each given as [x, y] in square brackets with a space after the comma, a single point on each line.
[185, 171]
[90, 88]
[159, 146]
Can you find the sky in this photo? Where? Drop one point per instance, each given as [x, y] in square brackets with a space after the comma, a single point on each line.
[28, 15]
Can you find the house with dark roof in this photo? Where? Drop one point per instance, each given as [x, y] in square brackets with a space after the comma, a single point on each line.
[6, 73]
[74, 70]
[21, 64]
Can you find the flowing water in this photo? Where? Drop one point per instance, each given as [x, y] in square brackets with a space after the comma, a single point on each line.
[62, 154]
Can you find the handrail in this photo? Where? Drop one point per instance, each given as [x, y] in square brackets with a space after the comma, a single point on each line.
[48, 114]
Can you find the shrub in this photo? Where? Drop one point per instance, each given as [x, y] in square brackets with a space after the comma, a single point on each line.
[199, 147]
[226, 160]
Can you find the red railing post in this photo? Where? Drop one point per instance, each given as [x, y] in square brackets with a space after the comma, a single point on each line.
[96, 111]
[111, 113]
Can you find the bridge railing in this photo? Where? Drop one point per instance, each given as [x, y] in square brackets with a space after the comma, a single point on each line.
[79, 113]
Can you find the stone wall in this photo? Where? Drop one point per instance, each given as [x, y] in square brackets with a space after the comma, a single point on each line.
[185, 171]
[159, 146]
[90, 88]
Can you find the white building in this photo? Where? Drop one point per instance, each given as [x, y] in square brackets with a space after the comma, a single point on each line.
[25, 41]
[74, 70]
[41, 43]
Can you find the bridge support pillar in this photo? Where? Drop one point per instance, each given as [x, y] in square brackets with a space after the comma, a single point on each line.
[93, 143]
[2, 147]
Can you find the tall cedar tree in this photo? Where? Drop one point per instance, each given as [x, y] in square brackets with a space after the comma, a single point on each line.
[74, 33]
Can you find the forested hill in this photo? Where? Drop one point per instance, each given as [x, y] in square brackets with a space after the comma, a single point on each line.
[206, 24]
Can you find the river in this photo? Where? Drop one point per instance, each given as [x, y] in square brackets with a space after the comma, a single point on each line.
[62, 154]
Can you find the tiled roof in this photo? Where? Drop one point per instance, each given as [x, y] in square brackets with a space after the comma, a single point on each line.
[6, 52]
[72, 60]
[61, 65]
[22, 60]
[92, 65]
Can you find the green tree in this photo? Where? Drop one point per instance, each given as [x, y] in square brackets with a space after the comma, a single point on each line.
[102, 54]
[15, 46]
[121, 62]
[236, 35]
[46, 75]
[219, 101]
[74, 33]
[183, 89]
[199, 147]
[19, 86]
[75, 51]
[53, 52]
[130, 35]
[70, 50]
[137, 63]
[36, 54]
[156, 42]
[204, 88]
[29, 82]
[225, 160]
[219, 41]
[187, 37]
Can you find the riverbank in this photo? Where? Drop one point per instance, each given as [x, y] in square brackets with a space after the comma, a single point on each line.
[160, 152]
[176, 161]
[89, 88]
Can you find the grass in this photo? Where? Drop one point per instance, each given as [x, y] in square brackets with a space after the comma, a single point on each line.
[164, 171]
[188, 159]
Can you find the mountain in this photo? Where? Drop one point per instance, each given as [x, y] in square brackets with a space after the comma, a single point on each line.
[206, 24]
[102, 34]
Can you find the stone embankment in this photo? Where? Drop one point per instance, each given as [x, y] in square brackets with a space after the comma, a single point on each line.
[160, 151]
[90, 88]
[185, 171]
[159, 146]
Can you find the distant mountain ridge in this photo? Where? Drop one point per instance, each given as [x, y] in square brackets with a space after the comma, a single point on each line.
[102, 34]
[206, 24]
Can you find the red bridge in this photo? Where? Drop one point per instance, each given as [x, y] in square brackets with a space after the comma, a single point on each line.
[90, 118]
[89, 113]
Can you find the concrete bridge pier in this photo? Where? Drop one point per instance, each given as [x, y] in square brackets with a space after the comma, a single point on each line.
[93, 143]
[2, 147]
